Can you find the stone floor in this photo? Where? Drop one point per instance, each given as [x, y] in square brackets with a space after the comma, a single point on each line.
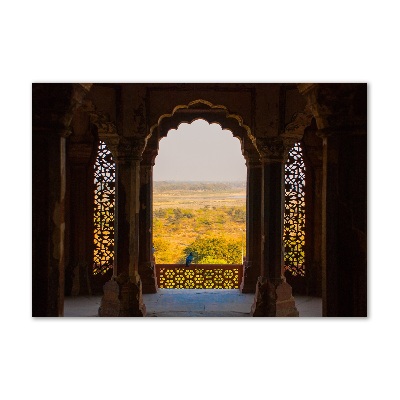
[191, 303]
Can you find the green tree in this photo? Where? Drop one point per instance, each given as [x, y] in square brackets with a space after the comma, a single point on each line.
[216, 250]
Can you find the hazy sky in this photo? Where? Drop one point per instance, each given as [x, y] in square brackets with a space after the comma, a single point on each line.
[199, 152]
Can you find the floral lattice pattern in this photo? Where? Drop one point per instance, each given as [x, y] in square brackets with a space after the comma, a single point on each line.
[294, 220]
[104, 202]
[207, 277]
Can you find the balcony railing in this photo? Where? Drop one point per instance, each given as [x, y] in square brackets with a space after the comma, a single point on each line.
[199, 276]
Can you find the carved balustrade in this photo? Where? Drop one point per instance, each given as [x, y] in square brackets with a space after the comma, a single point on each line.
[199, 276]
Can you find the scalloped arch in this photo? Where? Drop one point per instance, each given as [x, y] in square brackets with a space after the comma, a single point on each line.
[202, 109]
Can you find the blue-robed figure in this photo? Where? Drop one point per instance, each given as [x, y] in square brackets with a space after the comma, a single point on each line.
[189, 259]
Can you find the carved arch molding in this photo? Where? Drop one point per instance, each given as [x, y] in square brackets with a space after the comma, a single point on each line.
[203, 109]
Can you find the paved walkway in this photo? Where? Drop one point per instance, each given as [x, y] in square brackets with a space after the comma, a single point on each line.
[191, 303]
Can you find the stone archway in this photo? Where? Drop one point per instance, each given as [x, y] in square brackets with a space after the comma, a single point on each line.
[340, 112]
[219, 114]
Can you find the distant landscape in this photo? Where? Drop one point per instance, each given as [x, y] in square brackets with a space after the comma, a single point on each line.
[207, 218]
[198, 194]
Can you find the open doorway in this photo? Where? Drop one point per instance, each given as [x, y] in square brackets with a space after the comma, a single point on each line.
[199, 208]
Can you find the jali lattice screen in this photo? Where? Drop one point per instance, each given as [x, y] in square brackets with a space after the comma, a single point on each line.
[294, 219]
[104, 205]
[200, 276]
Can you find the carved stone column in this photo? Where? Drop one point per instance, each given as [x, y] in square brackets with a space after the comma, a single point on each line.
[252, 265]
[273, 296]
[52, 108]
[123, 294]
[146, 258]
[80, 213]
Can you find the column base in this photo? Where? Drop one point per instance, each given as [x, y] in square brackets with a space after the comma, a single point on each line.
[122, 298]
[148, 277]
[273, 299]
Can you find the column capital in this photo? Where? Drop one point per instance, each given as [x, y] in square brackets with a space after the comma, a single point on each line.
[130, 149]
[274, 149]
[123, 148]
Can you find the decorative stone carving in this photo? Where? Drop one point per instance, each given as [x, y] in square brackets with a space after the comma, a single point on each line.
[210, 112]
[274, 149]
[123, 148]
[295, 212]
[130, 148]
[106, 130]
[271, 149]
[299, 122]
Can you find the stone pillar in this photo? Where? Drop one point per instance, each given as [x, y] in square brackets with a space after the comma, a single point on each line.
[48, 223]
[252, 265]
[146, 258]
[273, 296]
[80, 210]
[123, 293]
[344, 223]
[52, 108]
[313, 199]
[340, 111]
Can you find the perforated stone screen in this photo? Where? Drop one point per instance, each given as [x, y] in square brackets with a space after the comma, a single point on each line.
[200, 276]
[294, 217]
[104, 205]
